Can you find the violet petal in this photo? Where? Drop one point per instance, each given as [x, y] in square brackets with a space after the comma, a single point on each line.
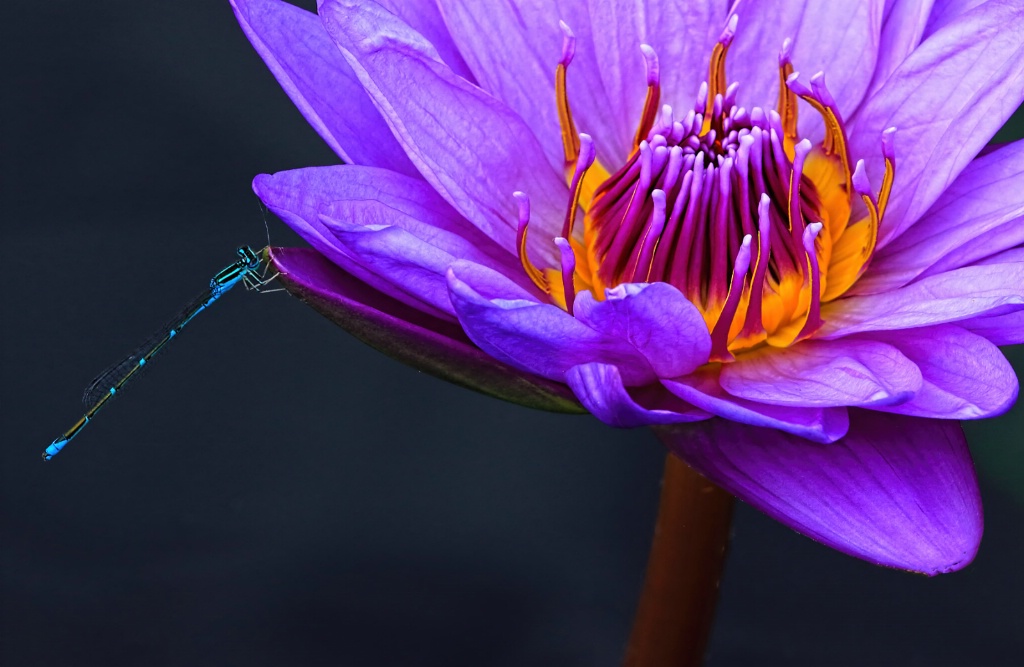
[320, 83]
[972, 291]
[424, 16]
[409, 336]
[839, 39]
[656, 319]
[1005, 329]
[599, 388]
[537, 337]
[519, 67]
[824, 373]
[896, 491]
[702, 390]
[947, 99]
[471, 147]
[903, 27]
[980, 214]
[965, 376]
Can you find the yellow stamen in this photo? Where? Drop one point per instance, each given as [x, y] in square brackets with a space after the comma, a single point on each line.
[716, 82]
[787, 108]
[570, 138]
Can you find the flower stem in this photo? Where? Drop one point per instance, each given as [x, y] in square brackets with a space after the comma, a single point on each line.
[674, 618]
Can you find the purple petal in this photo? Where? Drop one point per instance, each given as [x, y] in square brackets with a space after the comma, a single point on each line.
[702, 389]
[297, 196]
[839, 39]
[472, 148]
[424, 17]
[682, 35]
[656, 319]
[519, 67]
[824, 373]
[537, 337]
[320, 83]
[965, 376]
[980, 214]
[415, 339]
[1005, 329]
[945, 12]
[972, 291]
[599, 388]
[409, 264]
[947, 99]
[903, 28]
[896, 491]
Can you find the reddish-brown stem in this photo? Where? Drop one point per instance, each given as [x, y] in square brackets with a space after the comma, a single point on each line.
[677, 606]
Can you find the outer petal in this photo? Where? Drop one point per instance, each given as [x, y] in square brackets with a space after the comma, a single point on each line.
[965, 376]
[316, 77]
[536, 337]
[519, 68]
[427, 344]
[599, 388]
[896, 491]
[824, 373]
[297, 196]
[972, 291]
[424, 17]
[839, 39]
[682, 34]
[473, 149]
[980, 214]
[1005, 329]
[902, 29]
[702, 389]
[656, 319]
[947, 99]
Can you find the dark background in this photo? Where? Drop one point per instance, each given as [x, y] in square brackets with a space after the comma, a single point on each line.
[277, 493]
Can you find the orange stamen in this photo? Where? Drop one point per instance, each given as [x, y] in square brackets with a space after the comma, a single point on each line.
[535, 274]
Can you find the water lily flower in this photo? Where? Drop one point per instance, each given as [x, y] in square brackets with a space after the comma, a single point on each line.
[770, 229]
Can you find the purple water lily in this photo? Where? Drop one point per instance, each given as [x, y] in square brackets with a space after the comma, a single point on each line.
[771, 230]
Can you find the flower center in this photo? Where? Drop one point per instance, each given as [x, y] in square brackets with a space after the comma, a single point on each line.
[750, 223]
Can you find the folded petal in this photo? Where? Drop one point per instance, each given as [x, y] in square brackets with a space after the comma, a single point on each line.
[1005, 329]
[519, 68]
[702, 390]
[947, 99]
[599, 388]
[411, 337]
[839, 39]
[903, 28]
[823, 374]
[656, 319]
[972, 291]
[320, 83]
[965, 376]
[297, 196]
[682, 34]
[896, 491]
[536, 337]
[424, 17]
[471, 147]
[981, 213]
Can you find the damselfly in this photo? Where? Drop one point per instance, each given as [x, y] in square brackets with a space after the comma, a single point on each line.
[113, 380]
